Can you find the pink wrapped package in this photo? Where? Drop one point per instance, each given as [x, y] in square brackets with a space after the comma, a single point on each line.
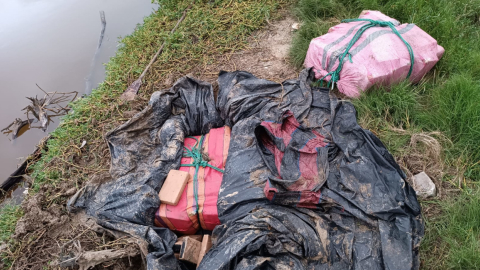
[378, 56]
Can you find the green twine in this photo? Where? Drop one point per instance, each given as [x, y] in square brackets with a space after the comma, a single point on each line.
[335, 75]
[197, 161]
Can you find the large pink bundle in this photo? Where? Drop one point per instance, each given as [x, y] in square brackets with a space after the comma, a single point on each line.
[378, 57]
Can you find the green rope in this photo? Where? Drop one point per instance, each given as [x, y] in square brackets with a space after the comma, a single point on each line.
[195, 152]
[335, 75]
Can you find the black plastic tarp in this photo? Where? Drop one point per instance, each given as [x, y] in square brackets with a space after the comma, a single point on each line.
[367, 217]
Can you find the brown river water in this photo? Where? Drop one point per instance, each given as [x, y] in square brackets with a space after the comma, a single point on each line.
[52, 43]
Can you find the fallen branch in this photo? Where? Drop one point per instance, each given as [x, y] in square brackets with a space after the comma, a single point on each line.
[89, 259]
[132, 90]
[50, 103]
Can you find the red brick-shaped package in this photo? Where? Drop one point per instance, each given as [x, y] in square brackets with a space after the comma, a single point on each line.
[183, 217]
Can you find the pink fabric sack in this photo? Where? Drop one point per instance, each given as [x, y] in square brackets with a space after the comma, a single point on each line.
[379, 57]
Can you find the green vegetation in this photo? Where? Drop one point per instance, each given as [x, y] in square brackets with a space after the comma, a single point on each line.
[445, 101]
[452, 238]
[9, 214]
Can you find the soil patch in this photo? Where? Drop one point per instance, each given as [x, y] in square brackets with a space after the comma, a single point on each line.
[266, 56]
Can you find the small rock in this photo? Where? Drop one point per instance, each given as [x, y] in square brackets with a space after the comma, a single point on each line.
[423, 185]
[295, 26]
[169, 80]
[70, 192]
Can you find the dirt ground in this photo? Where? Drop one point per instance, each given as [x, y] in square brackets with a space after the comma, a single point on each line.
[267, 56]
[51, 238]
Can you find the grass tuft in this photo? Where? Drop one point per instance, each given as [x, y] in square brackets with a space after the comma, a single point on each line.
[453, 108]
[385, 111]
[452, 237]
[395, 106]
[8, 220]
[9, 215]
[311, 10]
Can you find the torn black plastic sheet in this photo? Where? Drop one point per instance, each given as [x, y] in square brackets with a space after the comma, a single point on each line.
[368, 217]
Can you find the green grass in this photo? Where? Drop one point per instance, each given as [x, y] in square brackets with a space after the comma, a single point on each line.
[9, 214]
[452, 238]
[447, 100]
[454, 109]
[8, 219]
[381, 110]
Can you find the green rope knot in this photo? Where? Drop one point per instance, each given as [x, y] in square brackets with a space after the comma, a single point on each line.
[335, 75]
[195, 152]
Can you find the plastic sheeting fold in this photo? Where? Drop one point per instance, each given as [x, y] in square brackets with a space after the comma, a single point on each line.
[367, 216]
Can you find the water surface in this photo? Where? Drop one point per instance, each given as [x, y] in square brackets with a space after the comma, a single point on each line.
[51, 43]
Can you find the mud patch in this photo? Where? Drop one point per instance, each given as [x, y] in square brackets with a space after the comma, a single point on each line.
[47, 237]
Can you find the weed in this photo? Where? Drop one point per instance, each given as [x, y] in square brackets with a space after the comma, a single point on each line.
[385, 110]
[9, 214]
[8, 219]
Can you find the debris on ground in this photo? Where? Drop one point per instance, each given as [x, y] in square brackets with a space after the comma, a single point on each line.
[280, 175]
[372, 50]
[261, 47]
[295, 26]
[132, 90]
[423, 185]
[340, 199]
[74, 239]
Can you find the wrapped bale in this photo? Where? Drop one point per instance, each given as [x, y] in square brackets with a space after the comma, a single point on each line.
[200, 196]
[378, 57]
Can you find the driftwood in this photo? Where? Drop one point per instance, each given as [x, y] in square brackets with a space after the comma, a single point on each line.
[16, 126]
[42, 110]
[45, 108]
[92, 258]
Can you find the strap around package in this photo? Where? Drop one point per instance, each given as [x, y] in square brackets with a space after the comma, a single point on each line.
[335, 75]
[197, 161]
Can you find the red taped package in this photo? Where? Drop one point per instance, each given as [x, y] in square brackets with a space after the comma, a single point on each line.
[187, 216]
